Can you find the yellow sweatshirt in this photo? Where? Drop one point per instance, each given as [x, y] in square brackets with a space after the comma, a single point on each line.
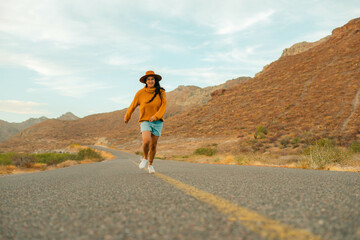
[155, 108]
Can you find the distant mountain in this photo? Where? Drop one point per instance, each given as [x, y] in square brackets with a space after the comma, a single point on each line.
[186, 97]
[68, 116]
[8, 130]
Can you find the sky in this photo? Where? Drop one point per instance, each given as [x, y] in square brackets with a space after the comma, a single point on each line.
[86, 56]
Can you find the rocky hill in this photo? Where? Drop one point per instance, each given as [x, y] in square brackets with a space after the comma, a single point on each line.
[8, 130]
[302, 47]
[315, 92]
[186, 97]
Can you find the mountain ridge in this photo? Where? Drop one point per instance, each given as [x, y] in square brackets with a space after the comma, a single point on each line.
[9, 129]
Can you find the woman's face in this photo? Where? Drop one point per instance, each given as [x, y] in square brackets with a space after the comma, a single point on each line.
[150, 81]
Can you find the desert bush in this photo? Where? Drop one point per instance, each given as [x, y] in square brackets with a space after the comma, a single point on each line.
[139, 153]
[257, 146]
[240, 159]
[324, 142]
[5, 158]
[355, 147]
[308, 137]
[296, 140]
[260, 133]
[323, 152]
[28, 160]
[23, 160]
[285, 141]
[207, 151]
[88, 153]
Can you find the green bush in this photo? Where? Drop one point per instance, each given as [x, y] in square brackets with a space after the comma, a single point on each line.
[27, 160]
[5, 158]
[325, 142]
[284, 141]
[139, 153]
[296, 140]
[205, 151]
[355, 147]
[88, 153]
[260, 133]
[240, 159]
[324, 152]
[23, 160]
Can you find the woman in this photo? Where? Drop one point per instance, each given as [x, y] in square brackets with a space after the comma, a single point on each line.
[152, 102]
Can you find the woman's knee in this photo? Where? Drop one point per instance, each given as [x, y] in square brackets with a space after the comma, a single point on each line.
[146, 142]
[153, 147]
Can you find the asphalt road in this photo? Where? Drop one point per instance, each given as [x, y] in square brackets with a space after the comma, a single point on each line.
[116, 200]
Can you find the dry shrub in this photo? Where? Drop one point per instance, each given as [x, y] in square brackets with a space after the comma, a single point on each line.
[7, 169]
[23, 160]
[207, 151]
[105, 155]
[40, 166]
[323, 154]
[68, 163]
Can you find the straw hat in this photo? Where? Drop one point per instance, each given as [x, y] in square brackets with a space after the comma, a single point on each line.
[148, 74]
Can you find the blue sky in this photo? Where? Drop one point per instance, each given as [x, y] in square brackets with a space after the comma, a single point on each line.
[86, 56]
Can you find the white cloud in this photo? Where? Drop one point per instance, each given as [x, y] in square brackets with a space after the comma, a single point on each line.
[315, 36]
[71, 86]
[21, 107]
[43, 67]
[229, 26]
[126, 60]
[63, 23]
[247, 55]
[205, 76]
[225, 17]
[61, 79]
[122, 100]
[38, 21]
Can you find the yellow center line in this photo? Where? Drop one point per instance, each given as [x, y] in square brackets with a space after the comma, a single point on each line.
[264, 226]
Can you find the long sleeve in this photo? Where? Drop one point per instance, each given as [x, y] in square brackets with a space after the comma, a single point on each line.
[160, 113]
[132, 107]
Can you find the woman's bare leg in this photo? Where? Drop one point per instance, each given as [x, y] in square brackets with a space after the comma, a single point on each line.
[146, 137]
[152, 150]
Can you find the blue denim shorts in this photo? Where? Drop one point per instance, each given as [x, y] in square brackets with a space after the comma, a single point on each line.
[154, 127]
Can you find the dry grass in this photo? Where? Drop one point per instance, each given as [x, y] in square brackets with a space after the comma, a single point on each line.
[259, 159]
[105, 155]
[7, 169]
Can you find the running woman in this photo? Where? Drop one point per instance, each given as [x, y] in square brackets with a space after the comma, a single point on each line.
[152, 102]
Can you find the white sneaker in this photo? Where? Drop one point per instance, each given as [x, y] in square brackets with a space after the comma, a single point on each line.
[144, 162]
[151, 169]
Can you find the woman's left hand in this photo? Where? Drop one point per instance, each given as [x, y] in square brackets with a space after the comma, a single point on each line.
[152, 119]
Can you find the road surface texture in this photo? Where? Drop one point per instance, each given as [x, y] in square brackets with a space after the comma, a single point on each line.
[116, 200]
